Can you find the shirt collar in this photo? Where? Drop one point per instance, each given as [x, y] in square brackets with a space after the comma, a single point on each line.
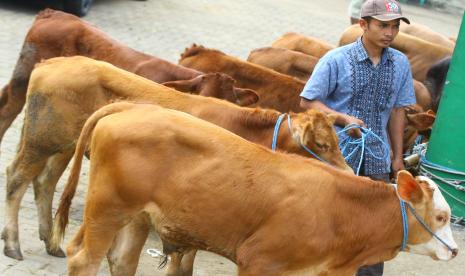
[363, 55]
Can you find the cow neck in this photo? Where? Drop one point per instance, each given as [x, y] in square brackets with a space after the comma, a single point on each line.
[258, 125]
[378, 219]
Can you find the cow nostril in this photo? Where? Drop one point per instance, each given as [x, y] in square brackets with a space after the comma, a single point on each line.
[455, 252]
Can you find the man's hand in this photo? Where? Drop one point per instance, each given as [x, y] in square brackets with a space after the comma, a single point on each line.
[355, 132]
[397, 165]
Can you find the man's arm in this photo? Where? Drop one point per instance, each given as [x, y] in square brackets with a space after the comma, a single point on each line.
[341, 120]
[396, 134]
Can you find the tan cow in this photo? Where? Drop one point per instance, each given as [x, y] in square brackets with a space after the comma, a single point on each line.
[304, 44]
[275, 90]
[284, 61]
[64, 92]
[426, 33]
[56, 33]
[421, 54]
[271, 214]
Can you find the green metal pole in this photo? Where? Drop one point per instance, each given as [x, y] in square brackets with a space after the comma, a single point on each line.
[447, 144]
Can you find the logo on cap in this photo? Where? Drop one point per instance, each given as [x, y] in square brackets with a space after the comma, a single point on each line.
[392, 7]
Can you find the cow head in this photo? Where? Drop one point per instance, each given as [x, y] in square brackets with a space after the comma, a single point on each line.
[314, 130]
[418, 121]
[216, 85]
[427, 201]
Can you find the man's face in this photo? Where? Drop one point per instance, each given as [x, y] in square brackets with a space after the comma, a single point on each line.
[380, 33]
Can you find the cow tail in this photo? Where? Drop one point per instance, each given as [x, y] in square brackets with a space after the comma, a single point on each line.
[61, 216]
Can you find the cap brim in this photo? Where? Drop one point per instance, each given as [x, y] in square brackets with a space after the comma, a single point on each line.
[389, 17]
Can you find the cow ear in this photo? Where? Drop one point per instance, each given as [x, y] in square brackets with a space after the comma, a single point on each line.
[421, 121]
[408, 189]
[245, 97]
[306, 137]
[185, 85]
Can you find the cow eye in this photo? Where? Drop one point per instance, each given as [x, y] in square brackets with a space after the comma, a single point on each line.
[441, 218]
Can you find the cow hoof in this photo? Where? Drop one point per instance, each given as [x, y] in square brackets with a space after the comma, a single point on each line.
[57, 253]
[12, 253]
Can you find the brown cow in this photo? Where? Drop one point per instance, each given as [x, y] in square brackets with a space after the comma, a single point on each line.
[275, 90]
[284, 61]
[56, 33]
[418, 122]
[271, 214]
[421, 54]
[426, 33]
[304, 44]
[64, 92]
[215, 85]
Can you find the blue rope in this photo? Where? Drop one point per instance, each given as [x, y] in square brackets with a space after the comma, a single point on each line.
[404, 224]
[438, 167]
[360, 144]
[303, 146]
[274, 142]
[427, 228]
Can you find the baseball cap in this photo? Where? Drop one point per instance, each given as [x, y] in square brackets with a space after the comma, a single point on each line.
[383, 10]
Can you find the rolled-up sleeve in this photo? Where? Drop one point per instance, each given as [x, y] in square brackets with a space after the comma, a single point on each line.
[322, 81]
[406, 93]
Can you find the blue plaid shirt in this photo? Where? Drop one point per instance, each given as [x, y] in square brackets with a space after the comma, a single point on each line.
[346, 80]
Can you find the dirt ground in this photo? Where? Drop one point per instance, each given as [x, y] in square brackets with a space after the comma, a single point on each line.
[164, 29]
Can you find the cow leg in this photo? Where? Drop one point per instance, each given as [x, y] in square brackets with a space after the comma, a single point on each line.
[97, 239]
[176, 265]
[104, 216]
[13, 95]
[181, 264]
[44, 188]
[76, 243]
[123, 256]
[19, 174]
[10, 105]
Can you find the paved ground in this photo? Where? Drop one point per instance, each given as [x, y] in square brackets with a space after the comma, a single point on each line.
[165, 28]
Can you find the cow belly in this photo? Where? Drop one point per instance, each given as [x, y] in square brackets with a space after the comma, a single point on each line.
[181, 236]
[320, 270]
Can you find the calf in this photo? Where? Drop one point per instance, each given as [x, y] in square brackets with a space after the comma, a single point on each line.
[275, 90]
[284, 61]
[421, 53]
[304, 44]
[271, 214]
[419, 122]
[64, 92]
[56, 33]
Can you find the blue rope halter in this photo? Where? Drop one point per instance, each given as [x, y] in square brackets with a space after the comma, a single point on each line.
[274, 142]
[360, 144]
[422, 222]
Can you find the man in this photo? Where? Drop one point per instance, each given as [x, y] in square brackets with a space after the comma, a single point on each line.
[368, 83]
